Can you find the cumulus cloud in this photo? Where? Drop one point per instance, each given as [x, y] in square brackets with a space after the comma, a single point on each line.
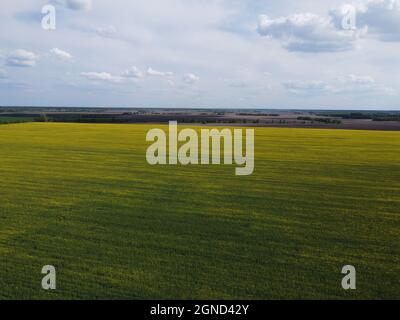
[101, 76]
[156, 73]
[21, 58]
[61, 54]
[133, 72]
[308, 32]
[382, 17]
[190, 78]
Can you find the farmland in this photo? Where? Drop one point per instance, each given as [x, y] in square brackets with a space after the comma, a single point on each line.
[7, 120]
[82, 197]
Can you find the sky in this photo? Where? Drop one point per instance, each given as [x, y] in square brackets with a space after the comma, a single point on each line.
[303, 54]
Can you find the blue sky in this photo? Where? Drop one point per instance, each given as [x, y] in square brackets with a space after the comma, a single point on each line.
[202, 54]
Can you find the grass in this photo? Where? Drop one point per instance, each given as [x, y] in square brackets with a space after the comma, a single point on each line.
[81, 197]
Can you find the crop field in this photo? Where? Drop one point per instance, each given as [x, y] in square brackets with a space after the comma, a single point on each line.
[82, 197]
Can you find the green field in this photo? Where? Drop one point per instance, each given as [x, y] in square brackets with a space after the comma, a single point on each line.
[82, 197]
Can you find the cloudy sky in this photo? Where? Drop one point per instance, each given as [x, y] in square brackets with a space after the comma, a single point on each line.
[202, 53]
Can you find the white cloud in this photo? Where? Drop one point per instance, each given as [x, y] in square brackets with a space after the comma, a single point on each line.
[101, 76]
[306, 87]
[360, 84]
[78, 4]
[133, 72]
[156, 73]
[381, 17]
[107, 31]
[61, 54]
[348, 84]
[191, 78]
[21, 58]
[358, 80]
[3, 74]
[308, 32]
[240, 84]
